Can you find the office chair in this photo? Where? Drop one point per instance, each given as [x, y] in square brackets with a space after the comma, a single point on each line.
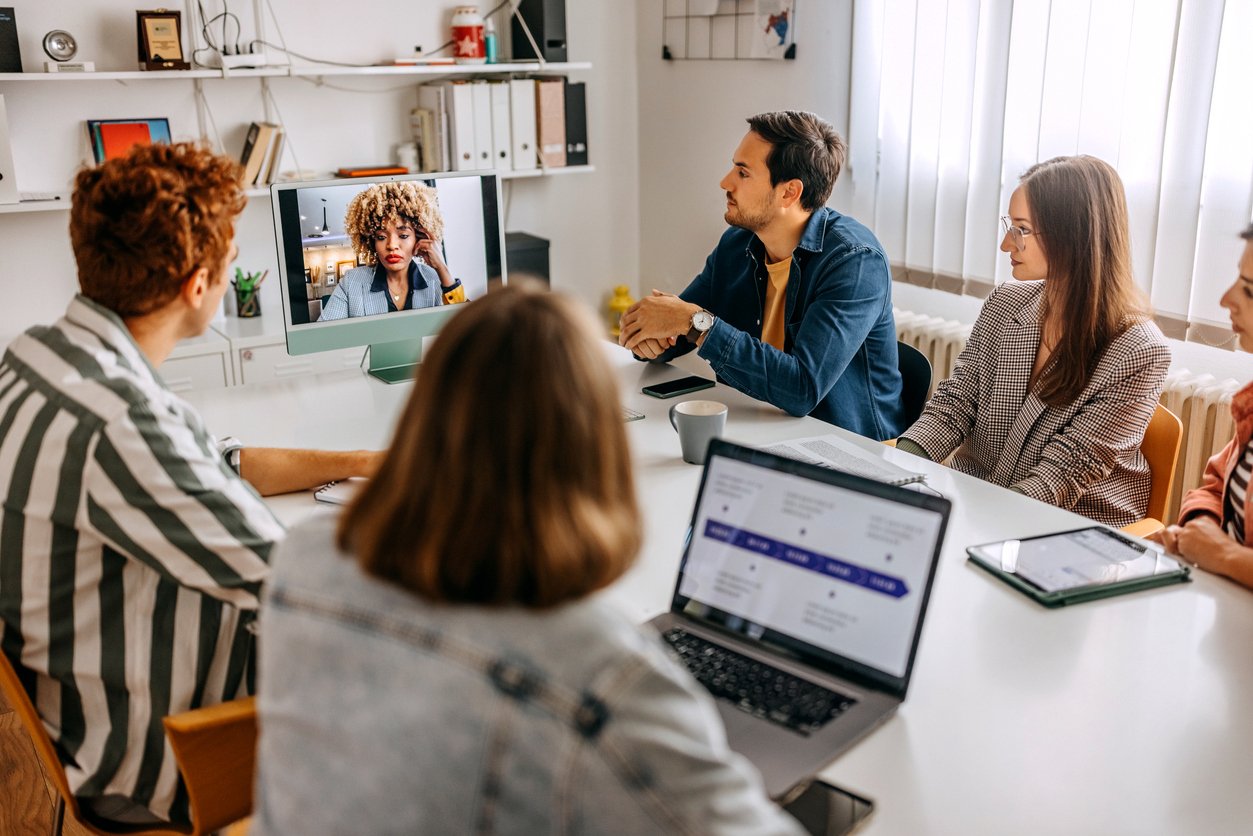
[915, 380]
[214, 748]
[1161, 449]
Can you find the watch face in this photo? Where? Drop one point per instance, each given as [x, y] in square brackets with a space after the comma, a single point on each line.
[702, 320]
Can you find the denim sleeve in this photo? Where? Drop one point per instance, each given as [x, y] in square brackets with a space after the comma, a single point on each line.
[699, 292]
[854, 290]
[668, 747]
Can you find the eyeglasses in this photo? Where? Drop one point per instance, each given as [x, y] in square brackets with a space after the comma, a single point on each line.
[1017, 235]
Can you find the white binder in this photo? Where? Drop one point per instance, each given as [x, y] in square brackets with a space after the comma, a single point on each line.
[502, 143]
[522, 123]
[459, 104]
[8, 177]
[482, 97]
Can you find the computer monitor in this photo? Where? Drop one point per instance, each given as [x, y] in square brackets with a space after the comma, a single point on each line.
[329, 271]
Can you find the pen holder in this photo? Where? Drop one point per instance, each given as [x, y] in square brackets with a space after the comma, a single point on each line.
[247, 302]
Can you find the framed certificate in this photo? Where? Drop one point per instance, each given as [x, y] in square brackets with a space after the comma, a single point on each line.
[160, 39]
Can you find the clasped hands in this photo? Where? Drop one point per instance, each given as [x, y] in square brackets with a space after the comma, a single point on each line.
[654, 324]
[1201, 541]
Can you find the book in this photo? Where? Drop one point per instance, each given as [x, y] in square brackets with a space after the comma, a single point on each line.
[370, 170]
[113, 138]
[256, 149]
[269, 168]
[833, 452]
[431, 99]
[10, 49]
[339, 493]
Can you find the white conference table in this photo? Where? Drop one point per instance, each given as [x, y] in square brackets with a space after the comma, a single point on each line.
[1128, 715]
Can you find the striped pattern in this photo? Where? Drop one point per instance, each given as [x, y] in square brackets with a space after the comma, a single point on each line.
[131, 556]
[1084, 456]
[1236, 495]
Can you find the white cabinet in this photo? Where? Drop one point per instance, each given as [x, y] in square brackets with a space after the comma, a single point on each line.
[199, 363]
[258, 351]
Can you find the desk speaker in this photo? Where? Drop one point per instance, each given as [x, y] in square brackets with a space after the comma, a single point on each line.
[547, 21]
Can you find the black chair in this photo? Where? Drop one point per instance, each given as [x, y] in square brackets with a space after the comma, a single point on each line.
[915, 380]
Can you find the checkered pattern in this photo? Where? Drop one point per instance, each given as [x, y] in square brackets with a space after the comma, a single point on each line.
[1084, 456]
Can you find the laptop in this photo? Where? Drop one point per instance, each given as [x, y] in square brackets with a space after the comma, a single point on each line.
[799, 604]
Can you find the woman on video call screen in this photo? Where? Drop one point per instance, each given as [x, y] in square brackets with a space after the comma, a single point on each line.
[396, 231]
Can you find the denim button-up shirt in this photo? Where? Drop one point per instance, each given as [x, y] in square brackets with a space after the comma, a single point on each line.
[838, 361]
[385, 713]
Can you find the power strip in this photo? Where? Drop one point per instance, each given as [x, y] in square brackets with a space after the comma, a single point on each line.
[245, 61]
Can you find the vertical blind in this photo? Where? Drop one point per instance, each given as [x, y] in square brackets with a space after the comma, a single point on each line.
[952, 100]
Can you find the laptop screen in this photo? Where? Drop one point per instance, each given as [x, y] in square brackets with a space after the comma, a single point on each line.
[831, 567]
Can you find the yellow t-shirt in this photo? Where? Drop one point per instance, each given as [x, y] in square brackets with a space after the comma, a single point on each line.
[776, 303]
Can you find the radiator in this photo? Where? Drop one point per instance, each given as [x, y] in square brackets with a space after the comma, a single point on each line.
[1202, 402]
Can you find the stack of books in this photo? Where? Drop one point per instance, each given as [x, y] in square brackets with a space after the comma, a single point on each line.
[262, 149]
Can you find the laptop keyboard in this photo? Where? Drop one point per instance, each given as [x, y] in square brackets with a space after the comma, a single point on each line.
[756, 687]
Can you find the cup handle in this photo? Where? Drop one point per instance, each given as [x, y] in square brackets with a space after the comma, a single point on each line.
[672, 421]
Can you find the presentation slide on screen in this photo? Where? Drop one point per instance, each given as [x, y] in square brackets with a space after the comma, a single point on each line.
[836, 569]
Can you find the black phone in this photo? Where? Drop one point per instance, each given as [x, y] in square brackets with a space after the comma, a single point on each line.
[681, 386]
[827, 810]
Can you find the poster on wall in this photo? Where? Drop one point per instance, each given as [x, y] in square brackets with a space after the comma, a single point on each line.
[775, 33]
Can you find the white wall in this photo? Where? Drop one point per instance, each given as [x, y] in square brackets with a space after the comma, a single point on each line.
[691, 117]
[591, 219]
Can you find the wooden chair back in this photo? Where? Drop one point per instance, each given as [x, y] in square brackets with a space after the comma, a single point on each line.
[214, 747]
[1161, 449]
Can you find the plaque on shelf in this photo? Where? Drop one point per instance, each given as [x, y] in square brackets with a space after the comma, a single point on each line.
[160, 40]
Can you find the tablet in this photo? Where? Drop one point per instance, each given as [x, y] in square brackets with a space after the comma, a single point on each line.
[1080, 565]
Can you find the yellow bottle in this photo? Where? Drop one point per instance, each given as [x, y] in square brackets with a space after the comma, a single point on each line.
[619, 303]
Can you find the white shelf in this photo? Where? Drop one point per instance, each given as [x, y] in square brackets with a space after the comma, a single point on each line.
[63, 203]
[307, 71]
[132, 75]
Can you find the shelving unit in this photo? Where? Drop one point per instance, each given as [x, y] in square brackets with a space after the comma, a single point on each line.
[62, 203]
[309, 71]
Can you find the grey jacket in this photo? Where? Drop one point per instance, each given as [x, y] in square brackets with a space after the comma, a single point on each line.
[1084, 456]
[383, 713]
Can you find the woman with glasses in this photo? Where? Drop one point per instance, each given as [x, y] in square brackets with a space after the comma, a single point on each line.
[1053, 392]
[1215, 529]
[437, 660]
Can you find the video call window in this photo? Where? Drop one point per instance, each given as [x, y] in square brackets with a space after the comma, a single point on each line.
[328, 279]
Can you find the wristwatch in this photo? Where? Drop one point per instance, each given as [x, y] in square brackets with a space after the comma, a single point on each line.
[702, 321]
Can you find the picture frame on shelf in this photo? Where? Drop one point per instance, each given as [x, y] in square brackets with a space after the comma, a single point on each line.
[342, 267]
[159, 38]
[113, 138]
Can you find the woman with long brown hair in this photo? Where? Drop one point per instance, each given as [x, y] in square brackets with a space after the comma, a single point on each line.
[1053, 392]
[436, 661]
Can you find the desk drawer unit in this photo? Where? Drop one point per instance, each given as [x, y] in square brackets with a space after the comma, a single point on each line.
[207, 371]
[272, 362]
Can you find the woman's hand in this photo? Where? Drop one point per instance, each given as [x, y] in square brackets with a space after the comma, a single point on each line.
[429, 249]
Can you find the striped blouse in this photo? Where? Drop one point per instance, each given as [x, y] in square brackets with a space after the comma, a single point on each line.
[131, 555]
[1234, 496]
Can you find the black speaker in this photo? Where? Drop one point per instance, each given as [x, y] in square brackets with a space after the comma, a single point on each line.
[547, 21]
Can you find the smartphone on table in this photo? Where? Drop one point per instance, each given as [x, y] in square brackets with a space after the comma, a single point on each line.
[827, 810]
[674, 388]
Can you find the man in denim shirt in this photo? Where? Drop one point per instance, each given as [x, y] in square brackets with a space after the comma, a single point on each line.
[794, 306]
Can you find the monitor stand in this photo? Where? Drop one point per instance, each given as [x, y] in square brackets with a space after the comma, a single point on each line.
[395, 362]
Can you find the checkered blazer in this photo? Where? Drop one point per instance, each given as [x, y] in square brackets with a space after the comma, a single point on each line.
[1084, 456]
